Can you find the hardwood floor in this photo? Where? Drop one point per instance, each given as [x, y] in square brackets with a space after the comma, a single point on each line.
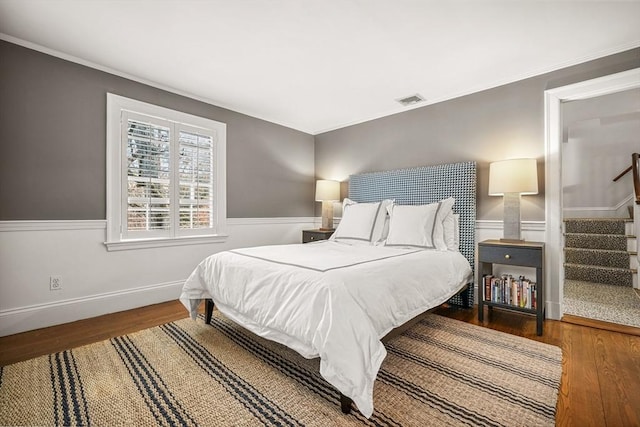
[600, 373]
[593, 323]
[28, 345]
[601, 369]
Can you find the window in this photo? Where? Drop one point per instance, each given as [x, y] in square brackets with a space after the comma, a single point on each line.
[165, 176]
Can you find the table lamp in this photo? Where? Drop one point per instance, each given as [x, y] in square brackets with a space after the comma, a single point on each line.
[511, 179]
[327, 192]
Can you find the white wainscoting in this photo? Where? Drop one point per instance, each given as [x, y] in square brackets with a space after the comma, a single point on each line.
[97, 282]
[492, 229]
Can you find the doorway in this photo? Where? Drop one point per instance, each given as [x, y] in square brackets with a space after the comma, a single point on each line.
[554, 98]
[599, 135]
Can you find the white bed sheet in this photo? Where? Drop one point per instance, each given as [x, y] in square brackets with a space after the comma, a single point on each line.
[328, 299]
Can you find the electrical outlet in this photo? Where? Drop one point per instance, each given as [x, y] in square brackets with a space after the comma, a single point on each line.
[55, 283]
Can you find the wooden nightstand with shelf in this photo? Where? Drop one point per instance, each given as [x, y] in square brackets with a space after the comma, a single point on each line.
[314, 235]
[520, 254]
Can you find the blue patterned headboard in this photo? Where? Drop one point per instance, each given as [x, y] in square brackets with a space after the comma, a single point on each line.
[426, 184]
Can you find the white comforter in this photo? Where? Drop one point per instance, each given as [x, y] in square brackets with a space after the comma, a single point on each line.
[328, 299]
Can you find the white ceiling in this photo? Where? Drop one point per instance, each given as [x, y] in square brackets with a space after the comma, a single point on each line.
[317, 65]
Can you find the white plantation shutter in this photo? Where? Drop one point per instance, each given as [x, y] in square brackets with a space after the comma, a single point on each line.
[196, 182]
[148, 184]
[171, 174]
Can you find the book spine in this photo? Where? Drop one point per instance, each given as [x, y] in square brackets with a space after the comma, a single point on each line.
[534, 297]
[487, 287]
[494, 294]
[520, 290]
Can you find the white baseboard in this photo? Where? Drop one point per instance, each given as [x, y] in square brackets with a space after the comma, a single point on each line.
[553, 310]
[21, 319]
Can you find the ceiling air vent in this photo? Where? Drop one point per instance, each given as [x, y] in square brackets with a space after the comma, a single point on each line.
[410, 100]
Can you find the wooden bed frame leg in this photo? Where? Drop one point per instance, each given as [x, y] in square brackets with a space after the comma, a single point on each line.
[345, 404]
[208, 310]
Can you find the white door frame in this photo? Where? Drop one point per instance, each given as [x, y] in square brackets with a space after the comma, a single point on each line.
[553, 172]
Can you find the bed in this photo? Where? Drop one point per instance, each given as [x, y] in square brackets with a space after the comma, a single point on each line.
[336, 299]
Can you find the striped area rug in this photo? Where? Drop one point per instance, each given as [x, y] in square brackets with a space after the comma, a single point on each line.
[439, 372]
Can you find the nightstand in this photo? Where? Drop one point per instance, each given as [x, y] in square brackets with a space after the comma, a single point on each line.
[317, 234]
[524, 254]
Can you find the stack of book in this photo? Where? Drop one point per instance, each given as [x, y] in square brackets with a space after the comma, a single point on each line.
[520, 292]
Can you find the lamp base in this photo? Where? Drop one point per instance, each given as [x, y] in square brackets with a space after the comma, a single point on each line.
[327, 215]
[511, 221]
[327, 229]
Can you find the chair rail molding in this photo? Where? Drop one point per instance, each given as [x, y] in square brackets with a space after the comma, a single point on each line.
[53, 225]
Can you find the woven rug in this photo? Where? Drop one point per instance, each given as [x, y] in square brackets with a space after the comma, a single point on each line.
[439, 372]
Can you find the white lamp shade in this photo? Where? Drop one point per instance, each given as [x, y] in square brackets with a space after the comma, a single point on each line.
[513, 176]
[327, 190]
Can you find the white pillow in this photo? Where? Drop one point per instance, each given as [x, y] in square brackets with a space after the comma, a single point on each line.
[419, 226]
[361, 222]
[451, 226]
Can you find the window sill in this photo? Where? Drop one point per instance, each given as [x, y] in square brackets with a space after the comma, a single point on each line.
[125, 245]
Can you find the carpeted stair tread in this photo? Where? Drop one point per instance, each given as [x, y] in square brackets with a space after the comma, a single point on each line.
[602, 301]
[599, 257]
[598, 274]
[596, 225]
[596, 241]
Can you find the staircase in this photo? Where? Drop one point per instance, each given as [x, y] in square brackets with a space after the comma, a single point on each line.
[601, 250]
[601, 267]
[600, 274]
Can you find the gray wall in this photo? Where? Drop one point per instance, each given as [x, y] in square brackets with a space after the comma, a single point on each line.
[53, 121]
[495, 124]
[52, 144]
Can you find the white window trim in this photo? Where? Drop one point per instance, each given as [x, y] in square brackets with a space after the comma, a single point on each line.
[115, 104]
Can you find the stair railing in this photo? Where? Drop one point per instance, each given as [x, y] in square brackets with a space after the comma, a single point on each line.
[635, 159]
[635, 172]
